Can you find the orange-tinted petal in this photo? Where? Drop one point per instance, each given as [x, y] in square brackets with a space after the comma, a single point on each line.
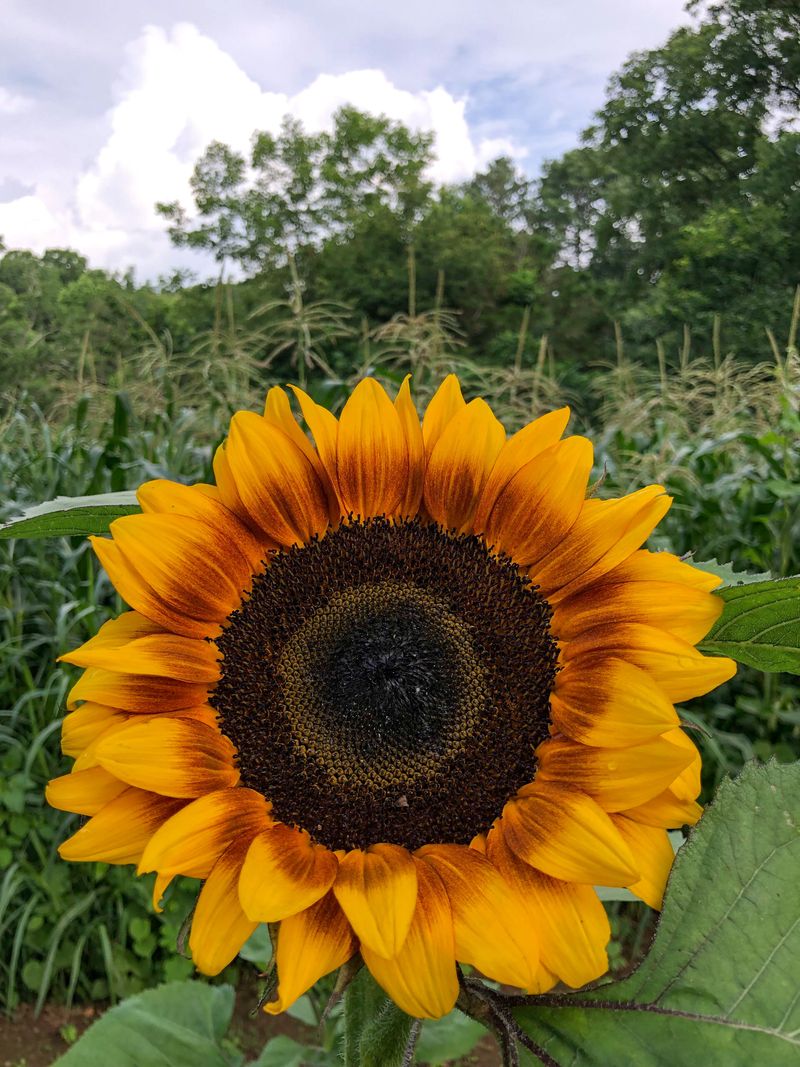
[285, 872]
[602, 700]
[192, 843]
[566, 834]
[460, 463]
[377, 891]
[421, 977]
[275, 481]
[310, 945]
[683, 611]
[325, 430]
[119, 832]
[371, 453]
[445, 404]
[203, 502]
[144, 693]
[83, 792]
[540, 504]
[617, 778]
[278, 411]
[171, 756]
[126, 644]
[491, 928]
[678, 668]
[219, 926]
[518, 450]
[175, 570]
[570, 920]
[605, 533]
[412, 430]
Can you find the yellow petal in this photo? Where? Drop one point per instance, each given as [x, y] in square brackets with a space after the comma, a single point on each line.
[377, 890]
[683, 611]
[570, 920]
[617, 778]
[123, 644]
[144, 693]
[545, 980]
[193, 843]
[276, 483]
[412, 430]
[605, 533]
[687, 784]
[284, 873]
[80, 728]
[540, 504]
[310, 945]
[83, 792]
[421, 977]
[219, 926]
[119, 832]
[567, 835]
[667, 811]
[445, 404]
[602, 700]
[654, 856]
[170, 756]
[645, 566]
[518, 450]
[205, 503]
[491, 928]
[459, 465]
[678, 668]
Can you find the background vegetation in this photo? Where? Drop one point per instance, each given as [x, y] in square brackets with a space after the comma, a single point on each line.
[648, 278]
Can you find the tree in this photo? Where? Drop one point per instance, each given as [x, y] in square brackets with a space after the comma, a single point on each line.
[298, 189]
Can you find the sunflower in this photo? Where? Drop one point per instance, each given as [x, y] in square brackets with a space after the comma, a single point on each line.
[405, 692]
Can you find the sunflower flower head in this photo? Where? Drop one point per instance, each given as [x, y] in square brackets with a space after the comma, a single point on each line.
[403, 691]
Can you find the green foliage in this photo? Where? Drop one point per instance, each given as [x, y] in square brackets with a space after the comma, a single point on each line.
[177, 1025]
[760, 625]
[719, 983]
[70, 516]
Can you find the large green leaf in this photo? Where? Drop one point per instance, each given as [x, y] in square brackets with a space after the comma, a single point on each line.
[71, 516]
[759, 625]
[177, 1025]
[721, 984]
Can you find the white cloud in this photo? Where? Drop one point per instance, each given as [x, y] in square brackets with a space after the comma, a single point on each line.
[13, 103]
[180, 91]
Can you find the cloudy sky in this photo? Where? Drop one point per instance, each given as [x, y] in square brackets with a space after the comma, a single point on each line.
[104, 107]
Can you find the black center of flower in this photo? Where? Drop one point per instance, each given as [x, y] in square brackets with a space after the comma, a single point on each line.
[387, 683]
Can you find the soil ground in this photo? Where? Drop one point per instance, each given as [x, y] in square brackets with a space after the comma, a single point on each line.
[28, 1041]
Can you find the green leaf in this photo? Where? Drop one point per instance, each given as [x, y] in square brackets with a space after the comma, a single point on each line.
[72, 516]
[720, 984]
[177, 1025]
[449, 1038]
[282, 1051]
[759, 625]
[728, 575]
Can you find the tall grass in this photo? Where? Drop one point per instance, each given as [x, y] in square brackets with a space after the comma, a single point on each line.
[724, 438]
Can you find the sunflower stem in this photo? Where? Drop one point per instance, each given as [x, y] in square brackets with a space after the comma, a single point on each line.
[493, 1009]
